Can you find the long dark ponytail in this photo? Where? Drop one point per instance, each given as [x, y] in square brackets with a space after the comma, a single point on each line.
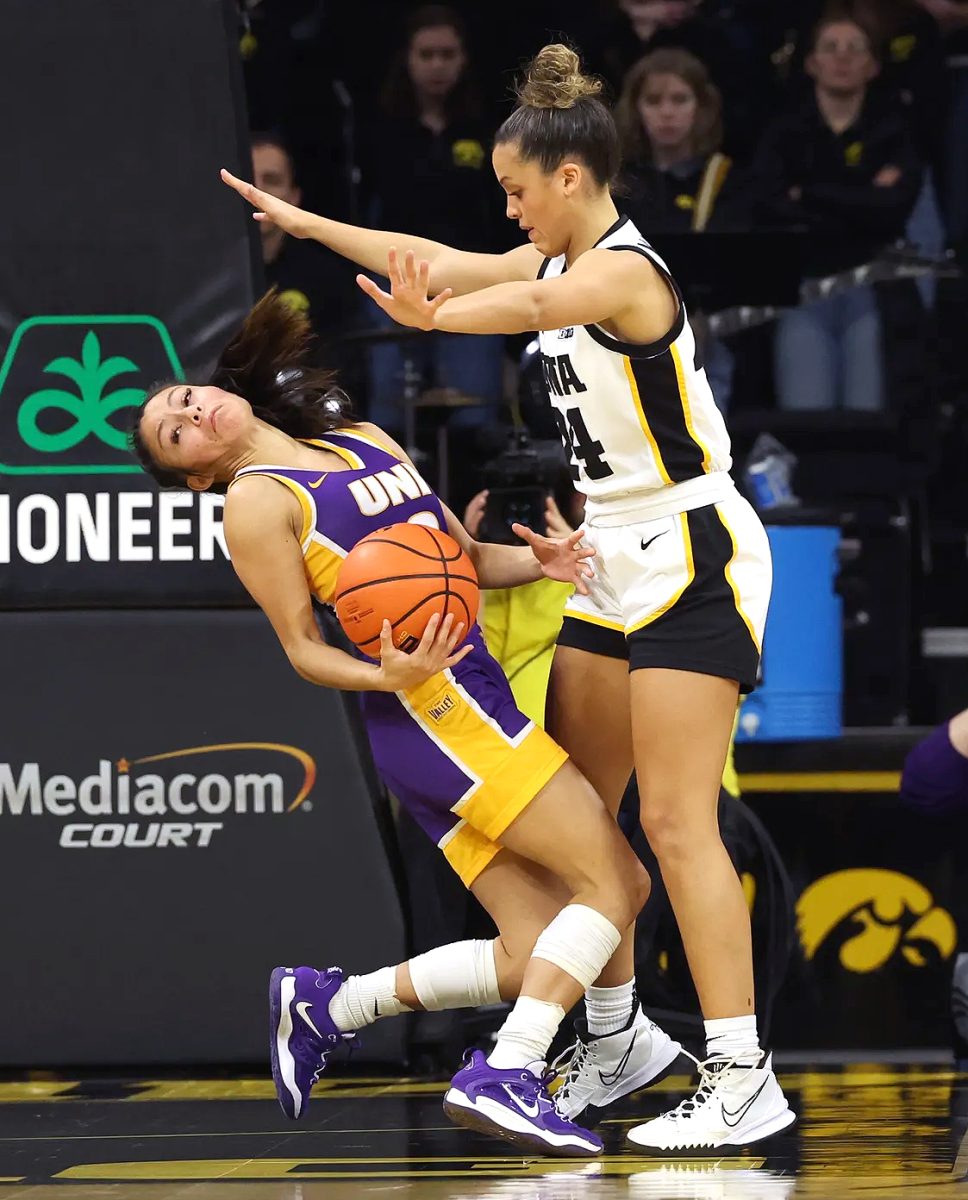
[267, 363]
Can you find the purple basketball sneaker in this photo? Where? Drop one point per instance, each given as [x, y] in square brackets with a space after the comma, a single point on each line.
[301, 1031]
[515, 1106]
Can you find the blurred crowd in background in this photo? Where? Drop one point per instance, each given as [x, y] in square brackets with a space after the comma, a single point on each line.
[803, 167]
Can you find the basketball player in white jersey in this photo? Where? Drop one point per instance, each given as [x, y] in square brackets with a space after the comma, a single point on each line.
[650, 664]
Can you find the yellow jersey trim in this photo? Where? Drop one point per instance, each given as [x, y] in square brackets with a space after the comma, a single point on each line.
[468, 852]
[306, 502]
[368, 438]
[687, 408]
[643, 420]
[504, 774]
[322, 568]
[347, 456]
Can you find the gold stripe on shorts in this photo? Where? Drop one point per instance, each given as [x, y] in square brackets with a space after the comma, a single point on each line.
[690, 576]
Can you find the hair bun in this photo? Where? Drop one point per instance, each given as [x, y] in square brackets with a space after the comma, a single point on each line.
[555, 80]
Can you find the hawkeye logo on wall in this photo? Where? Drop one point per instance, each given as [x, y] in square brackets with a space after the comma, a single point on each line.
[68, 386]
[871, 916]
[173, 800]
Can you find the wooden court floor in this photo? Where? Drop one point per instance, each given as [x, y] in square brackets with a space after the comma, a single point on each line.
[867, 1130]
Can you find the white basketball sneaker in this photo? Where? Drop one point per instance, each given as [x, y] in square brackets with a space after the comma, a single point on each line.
[602, 1069]
[735, 1105]
[712, 1181]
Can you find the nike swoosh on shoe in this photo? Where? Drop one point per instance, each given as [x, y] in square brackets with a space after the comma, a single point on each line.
[743, 1109]
[616, 1075]
[529, 1110]
[303, 1009]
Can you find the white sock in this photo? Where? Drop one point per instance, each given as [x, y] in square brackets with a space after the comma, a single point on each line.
[363, 999]
[609, 1009]
[733, 1037]
[527, 1033]
[579, 941]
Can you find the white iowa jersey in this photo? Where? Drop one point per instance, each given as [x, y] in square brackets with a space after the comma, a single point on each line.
[636, 420]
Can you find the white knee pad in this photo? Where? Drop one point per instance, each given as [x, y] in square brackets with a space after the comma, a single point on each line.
[461, 975]
[580, 941]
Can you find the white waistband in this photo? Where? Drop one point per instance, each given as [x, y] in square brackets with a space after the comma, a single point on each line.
[665, 502]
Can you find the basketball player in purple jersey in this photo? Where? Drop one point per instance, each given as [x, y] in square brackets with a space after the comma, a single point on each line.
[514, 818]
[652, 658]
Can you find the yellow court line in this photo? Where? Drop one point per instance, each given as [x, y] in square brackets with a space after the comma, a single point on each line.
[467, 1166]
[821, 781]
[19, 1090]
[34, 1091]
[263, 1089]
[178, 1135]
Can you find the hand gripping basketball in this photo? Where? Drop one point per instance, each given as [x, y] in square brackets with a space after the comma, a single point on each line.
[404, 574]
[434, 653]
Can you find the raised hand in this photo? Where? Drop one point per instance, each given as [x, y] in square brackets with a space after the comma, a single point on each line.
[474, 513]
[434, 653]
[408, 301]
[287, 216]
[555, 524]
[562, 558]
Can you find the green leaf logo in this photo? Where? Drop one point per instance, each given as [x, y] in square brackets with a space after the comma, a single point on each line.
[65, 382]
[89, 405]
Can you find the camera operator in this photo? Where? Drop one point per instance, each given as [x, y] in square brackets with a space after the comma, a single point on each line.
[526, 482]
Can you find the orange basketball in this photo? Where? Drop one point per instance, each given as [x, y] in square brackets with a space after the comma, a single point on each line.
[404, 574]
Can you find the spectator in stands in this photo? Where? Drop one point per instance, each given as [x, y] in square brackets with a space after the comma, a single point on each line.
[952, 18]
[309, 277]
[678, 180]
[669, 118]
[732, 38]
[912, 76]
[842, 166]
[908, 44]
[428, 172]
[913, 71]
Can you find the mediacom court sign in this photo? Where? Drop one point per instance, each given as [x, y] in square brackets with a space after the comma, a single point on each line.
[174, 800]
[79, 520]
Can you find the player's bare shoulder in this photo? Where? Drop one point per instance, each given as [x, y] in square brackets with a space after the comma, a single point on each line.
[259, 504]
[646, 306]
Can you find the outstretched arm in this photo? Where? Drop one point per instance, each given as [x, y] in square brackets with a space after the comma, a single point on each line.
[459, 270]
[602, 285]
[500, 566]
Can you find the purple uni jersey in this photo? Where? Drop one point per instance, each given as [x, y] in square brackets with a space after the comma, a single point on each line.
[456, 751]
